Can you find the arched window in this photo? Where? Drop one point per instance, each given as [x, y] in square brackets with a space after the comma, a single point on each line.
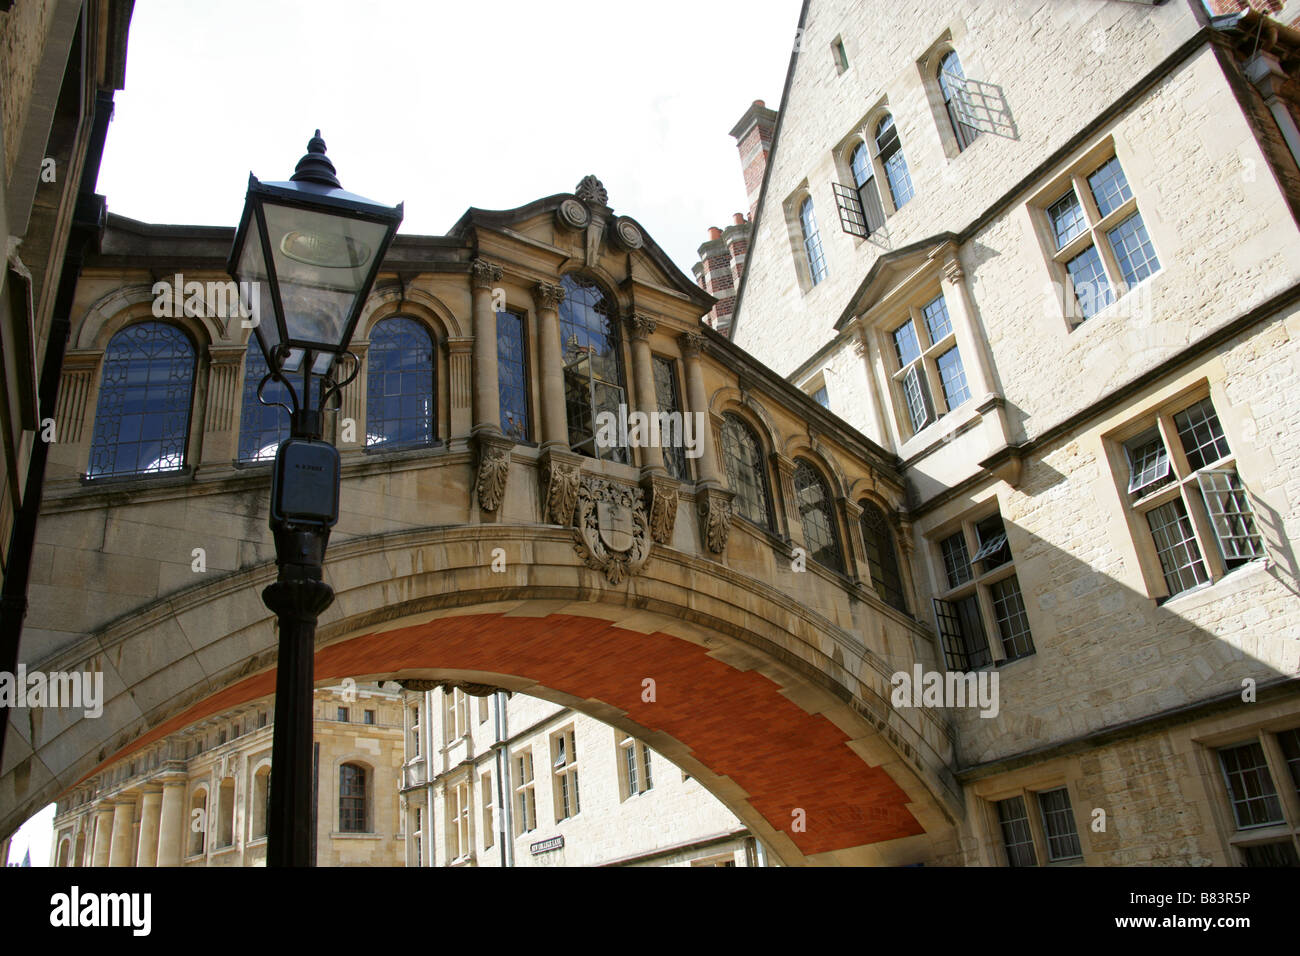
[593, 365]
[952, 82]
[400, 405]
[142, 420]
[746, 473]
[816, 513]
[889, 150]
[352, 799]
[198, 822]
[864, 177]
[226, 813]
[812, 241]
[260, 809]
[261, 427]
[882, 558]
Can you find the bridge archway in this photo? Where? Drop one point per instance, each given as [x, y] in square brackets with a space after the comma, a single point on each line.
[781, 714]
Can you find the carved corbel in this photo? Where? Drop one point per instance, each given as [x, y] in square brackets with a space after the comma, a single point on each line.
[714, 506]
[493, 469]
[661, 492]
[560, 473]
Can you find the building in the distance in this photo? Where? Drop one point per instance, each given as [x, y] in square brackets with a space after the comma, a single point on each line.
[198, 796]
[513, 780]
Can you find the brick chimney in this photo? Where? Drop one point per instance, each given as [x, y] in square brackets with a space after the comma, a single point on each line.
[754, 140]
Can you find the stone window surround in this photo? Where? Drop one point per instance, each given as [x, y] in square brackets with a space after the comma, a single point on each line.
[1246, 730]
[979, 583]
[1075, 175]
[941, 274]
[561, 774]
[1161, 414]
[928, 67]
[1027, 785]
[623, 742]
[794, 227]
[864, 133]
[455, 813]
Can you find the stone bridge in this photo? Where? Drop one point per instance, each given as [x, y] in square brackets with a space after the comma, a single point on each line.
[741, 611]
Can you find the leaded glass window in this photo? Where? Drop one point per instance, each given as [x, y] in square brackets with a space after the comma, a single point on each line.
[1059, 826]
[668, 400]
[1176, 547]
[352, 799]
[261, 427]
[143, 413]
[746, 472]
[952, 83]
[1250, 786]
[812, 242]
[889, 149]
[593, 365]
[512, 374]
[400, 403]
[882, 557]
[817, 514]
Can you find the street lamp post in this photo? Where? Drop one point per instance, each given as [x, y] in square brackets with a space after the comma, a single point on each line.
[313, 250]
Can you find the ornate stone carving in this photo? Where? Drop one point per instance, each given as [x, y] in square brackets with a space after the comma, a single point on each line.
[561, 492]
[592, 189]
[640, 325]
[493, 471]
[662, 493]
[714, 507]
[484, 274]
[953, 271]
[549, 295]
[572, 214]
[691, 343]
[612, 530]
[627, 236]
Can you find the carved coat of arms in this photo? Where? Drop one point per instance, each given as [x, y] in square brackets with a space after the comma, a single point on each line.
[612, 528]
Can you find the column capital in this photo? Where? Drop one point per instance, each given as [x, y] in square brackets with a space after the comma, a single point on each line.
[691, 343]
[952, 270]
[227, 354]
[639, 325]
[549, 295]
[484, 274]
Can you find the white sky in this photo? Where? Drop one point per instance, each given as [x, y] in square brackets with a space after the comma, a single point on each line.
[447, 104]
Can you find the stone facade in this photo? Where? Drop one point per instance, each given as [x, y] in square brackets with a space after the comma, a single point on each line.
[510, 780]
[1131, 699]
[199, 796]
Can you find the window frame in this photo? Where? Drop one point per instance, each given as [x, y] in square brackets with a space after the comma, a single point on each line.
[394, 444]
[814, 252]
[1095, 233]
[948, 94]
[1239, 840]
[616, 341]
[525, 792]
[924, 367]
[762, 467]
[980, 585]
[565, 791]
[1031, 795]
[833, 513]
[1182, 485]
[366, 778]
[529, 436]
[635, 768]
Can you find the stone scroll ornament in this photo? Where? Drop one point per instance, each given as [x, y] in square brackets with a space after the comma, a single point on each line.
[561, 493]
[715, 521]
[493, 470]
[613, 531]
[663, 512]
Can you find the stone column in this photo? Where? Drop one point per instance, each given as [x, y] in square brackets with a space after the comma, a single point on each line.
[640, 327]
[103, 834]
[974, 356]
[855, 564]
[555, 428]
[171, 826]
[150, 814]
[712, 497]
[123, 817]
[459, 366]
[74, 412]
[352, 407]
[484, 276]
[224, 403]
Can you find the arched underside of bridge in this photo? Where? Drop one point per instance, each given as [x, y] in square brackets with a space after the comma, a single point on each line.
[780, 714]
